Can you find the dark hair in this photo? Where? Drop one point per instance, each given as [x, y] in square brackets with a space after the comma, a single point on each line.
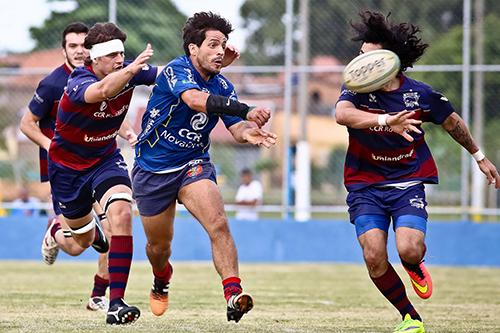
[196, 26]
[246, 171]
[76, 27]
[401, 38]
[100, 33]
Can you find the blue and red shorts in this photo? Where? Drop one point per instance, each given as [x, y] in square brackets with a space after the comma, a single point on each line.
[76, 191]
[374, 207]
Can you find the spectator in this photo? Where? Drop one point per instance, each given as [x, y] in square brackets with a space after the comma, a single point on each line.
[25, 205]
[249, 195]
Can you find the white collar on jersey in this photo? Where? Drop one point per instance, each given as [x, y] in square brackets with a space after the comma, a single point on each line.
[102, 49]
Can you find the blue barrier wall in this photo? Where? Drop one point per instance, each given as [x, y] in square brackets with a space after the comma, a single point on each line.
[458, 243]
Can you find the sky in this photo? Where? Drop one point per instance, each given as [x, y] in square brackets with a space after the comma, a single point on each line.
[15, 20]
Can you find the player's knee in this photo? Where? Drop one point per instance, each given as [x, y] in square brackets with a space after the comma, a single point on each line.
[218, 227]
[375, 257]
[159, 248]
[75, 250]
[120, 219]
[411, 252]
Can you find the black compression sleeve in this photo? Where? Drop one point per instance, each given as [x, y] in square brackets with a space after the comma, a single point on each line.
[218, 105]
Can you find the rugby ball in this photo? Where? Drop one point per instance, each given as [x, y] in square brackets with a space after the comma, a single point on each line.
[370, 71]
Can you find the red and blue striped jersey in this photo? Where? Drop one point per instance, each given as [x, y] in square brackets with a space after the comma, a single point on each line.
[44, 105]
[86, 132]
[377, 155]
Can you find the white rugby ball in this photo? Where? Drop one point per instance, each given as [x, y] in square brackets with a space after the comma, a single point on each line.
[370, 71]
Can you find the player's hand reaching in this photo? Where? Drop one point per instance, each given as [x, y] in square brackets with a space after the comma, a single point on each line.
[490, 171]
[259, 137]
[259, 115]
[141, 61]
[131, 137]
[403, 123]
[231, 53]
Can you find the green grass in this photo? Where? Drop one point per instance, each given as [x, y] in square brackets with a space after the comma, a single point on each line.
[288, 298]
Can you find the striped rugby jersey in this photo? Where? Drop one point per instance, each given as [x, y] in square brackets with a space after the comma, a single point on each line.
[86, 133]
[378, 156]
[44, 105]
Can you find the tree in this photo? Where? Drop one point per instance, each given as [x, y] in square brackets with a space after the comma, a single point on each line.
[158, 23]
[330, 31]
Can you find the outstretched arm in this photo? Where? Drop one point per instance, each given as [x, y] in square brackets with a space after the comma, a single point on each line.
[402, 122]
[246, 131]
[113, 83]
[203, 102]
[458, 130]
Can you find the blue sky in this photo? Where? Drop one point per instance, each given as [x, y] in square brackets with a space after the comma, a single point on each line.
[15, 20]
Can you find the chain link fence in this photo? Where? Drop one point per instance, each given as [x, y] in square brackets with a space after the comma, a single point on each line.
[259, 77]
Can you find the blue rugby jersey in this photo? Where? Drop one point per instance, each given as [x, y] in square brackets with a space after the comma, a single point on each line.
[377, 155]
[86, 133]
[44, 105]
[173, 134]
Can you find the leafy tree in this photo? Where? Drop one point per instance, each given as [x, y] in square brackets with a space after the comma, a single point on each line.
[330, 32]
[158, 23]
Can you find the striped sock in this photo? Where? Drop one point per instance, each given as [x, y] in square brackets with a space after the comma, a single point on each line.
[165, 274]
[391, 286]
[100, 286]
[231, 286]
[119, 261]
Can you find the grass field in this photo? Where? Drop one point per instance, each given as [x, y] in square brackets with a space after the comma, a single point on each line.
[288, 298]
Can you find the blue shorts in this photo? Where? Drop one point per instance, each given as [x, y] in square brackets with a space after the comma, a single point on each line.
[55, 206]
[76, 191]
[154, 192]
[373, 207]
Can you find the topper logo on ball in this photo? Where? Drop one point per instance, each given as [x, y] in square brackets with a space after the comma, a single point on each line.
[370, 71]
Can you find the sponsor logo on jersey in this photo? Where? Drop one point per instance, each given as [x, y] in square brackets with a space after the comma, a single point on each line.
[392, 158]
[199, 121]
[104, 114]
[189, 78]
[411, 99]
[192, 143]
[384, 128]
[223, 83]
[100, 138]
[171, 78]
[38, 99]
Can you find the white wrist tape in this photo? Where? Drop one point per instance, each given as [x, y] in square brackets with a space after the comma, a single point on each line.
[102, 49]
[478, 155]
[382, 119]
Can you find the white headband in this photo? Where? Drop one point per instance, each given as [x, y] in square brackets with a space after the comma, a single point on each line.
[102, 49]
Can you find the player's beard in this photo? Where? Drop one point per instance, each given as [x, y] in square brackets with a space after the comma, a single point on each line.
[73, 65]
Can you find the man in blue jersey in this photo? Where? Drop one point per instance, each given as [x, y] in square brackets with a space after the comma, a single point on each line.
[38, 124]
[388, 163]
[172, 159]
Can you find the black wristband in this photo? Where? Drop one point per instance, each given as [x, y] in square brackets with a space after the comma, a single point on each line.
[218, 105]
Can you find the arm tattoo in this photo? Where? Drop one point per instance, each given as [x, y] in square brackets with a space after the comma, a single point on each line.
[459, 131]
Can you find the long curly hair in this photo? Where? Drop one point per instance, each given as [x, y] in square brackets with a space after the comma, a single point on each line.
[401, 38]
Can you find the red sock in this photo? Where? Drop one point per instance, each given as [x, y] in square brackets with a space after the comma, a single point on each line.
[231, 286]
[100, 286]
[165, 274]
[55, 227]
[391, 286]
